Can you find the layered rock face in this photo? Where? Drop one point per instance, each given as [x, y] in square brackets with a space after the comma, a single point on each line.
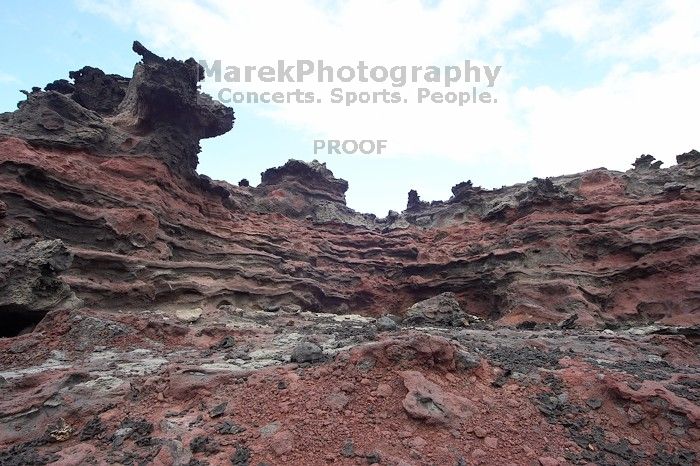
[155, 316]
[107, 165]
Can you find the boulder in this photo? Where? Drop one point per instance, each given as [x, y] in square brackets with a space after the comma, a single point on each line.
[441, 310]
[386, 324]
[188, 316]
[307, 352]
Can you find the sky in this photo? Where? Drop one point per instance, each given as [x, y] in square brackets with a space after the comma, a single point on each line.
[582, 84]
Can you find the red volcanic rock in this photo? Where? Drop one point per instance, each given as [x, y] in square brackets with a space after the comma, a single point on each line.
[114, 180]
[650, 391]
[282, 442]
[415, 349]
[137, 397]
[309, 180]
[606, 257]
[428, 402]
[607, 246]
[155, 316]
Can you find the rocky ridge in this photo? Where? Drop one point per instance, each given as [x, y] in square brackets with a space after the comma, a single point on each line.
[106, 164]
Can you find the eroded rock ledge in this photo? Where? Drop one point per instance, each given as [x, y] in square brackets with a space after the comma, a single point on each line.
[106, 165]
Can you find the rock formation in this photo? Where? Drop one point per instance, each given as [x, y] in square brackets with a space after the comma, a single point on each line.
[157, 113]
[157, 315]
[107, 165]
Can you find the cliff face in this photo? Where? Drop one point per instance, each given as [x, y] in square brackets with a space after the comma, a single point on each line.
[155, 316]
[106, 165]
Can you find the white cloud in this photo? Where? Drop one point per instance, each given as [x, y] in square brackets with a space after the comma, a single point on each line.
[550, 129]
[673, 37]
[627, 115]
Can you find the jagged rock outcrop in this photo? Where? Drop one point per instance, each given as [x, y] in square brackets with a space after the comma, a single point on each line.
[311, 180]
[299, 189]
[647, 162]
[689, 158]
[414, 202]
[163, 101]
[462, 191]
[157, 113]
[115, 182]
[93, 89]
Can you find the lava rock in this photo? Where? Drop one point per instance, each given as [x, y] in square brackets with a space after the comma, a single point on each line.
[218, 410]
[386, 324]
[569, 322]
[241, 457]
[647, 162]
[594, 403]
[526, 325]
[441, 310]
[92, 429]
[307, 352]
[229, 428]
[348, 450]
[204, 444]
[414, 202]
[690, 158]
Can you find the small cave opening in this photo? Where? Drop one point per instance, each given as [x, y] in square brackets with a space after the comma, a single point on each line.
[18, 320]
